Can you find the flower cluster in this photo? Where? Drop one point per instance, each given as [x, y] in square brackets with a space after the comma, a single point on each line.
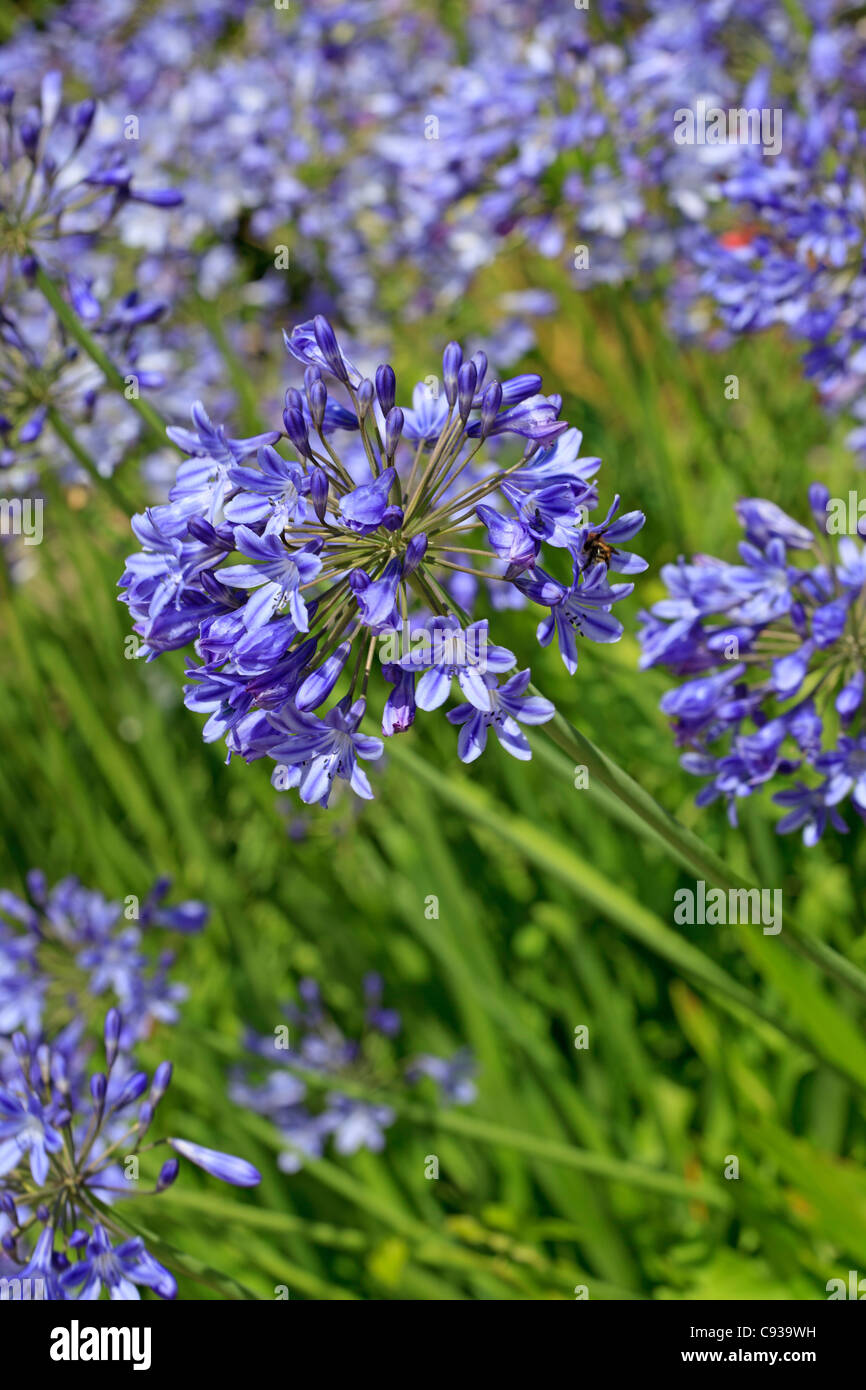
[57, 193]
[67, 946]
[789, 248]
[63, 1137]
[312, 1058]
[44, 376]
[773, 651]
[295, 577]
[63, 186]
[405, 144]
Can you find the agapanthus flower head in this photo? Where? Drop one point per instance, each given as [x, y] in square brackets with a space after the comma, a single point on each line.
[304, 1075]
[773, 654]
[43, 374]
[62, 1136]
[333, 565]
[65, 951]
[58, 187]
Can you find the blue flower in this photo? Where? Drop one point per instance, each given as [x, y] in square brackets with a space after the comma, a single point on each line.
[278, 576]
[583, 610]
[306, 583]
[357, 1125]
[809, 812]
[307, 1118]
[119, 1269]
[273, 492]
[44, 1270]
[236, 1171]
[315, 751]
[453, 1076]
[26, 1127]
[796, 626]
[59, 1130]
[508, 707]
[443, 650]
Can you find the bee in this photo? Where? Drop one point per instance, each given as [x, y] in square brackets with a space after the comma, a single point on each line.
[597, 549]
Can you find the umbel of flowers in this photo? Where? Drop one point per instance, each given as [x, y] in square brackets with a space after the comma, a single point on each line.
[774, 651]
[319, 1050]
[64, 950]
[64, 1137]
[349, 553]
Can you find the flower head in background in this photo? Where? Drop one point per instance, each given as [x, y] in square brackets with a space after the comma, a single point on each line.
[59, 188]
[774, 658]
[312, 1068]
[587, 146]
[347, 569]
[65, 951]
[44, 376]
[62, 1136]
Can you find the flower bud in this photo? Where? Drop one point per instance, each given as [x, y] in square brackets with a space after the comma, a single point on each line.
[415, 552]
[467, 379]
[452, 359]
[319, 492]
[365, 398]
[167, 1174]
[112, 1036]
[329, 347]
[386, 387]
[490, 403]
[393, 430]
[318, 398]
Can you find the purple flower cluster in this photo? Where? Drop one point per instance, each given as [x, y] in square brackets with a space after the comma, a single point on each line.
[43, 375]
[406, 147]
[309, 1061]
[789, 248]
[772, 650]
[63, 186]
[63, 1136]
[63, 948]
[58, 193]
[295, 577]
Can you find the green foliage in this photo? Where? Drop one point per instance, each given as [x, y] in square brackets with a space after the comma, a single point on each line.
[602, 1166]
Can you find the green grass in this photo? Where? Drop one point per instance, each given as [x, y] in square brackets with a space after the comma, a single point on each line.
[602, 1167]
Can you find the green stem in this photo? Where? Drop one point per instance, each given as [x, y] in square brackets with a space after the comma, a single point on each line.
[567, 1156]
[684, 846]
[241, 379]
[108, 485]
[73, 325]
[536, 1146]
[631, 916]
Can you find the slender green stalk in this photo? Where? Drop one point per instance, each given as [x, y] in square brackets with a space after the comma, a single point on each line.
[847, 1058]
[534, 1145]
[684, 846]
[108, 485]
[553, 1151]
[241, 379]
[76, 329]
